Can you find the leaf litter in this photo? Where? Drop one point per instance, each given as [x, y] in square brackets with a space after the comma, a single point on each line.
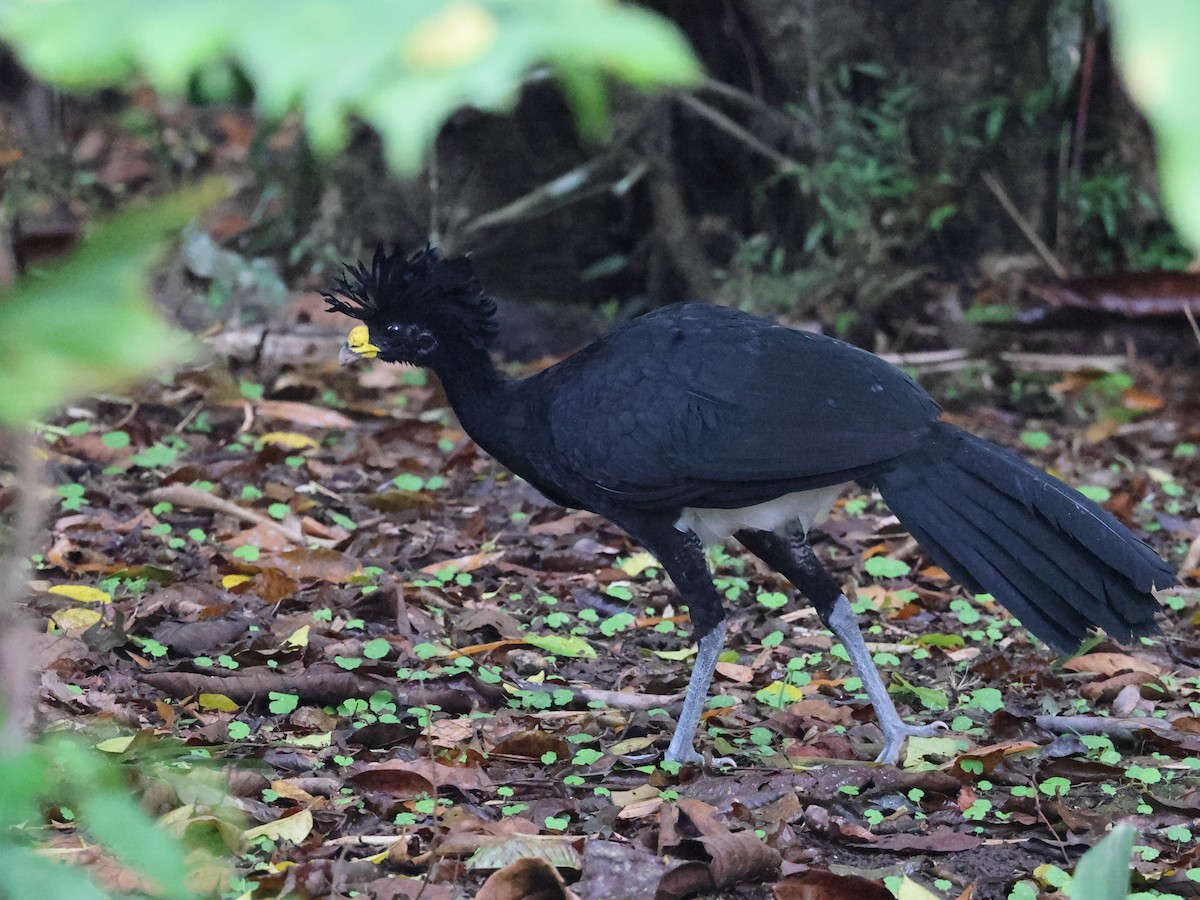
[441, 682]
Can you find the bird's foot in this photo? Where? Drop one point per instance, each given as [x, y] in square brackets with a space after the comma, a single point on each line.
[895, 734]
[689, 756]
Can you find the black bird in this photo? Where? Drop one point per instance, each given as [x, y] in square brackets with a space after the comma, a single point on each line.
[695, 422]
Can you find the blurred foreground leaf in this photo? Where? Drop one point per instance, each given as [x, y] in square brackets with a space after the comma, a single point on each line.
[1156, 45]
[85, 324]
[404, 67]
[1103, 872]
[60, 773]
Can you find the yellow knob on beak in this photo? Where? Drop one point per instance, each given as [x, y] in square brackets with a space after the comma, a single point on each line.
[358, 344]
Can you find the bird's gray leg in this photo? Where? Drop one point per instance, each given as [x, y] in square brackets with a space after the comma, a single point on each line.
[842, 623]
[793, 558]
[682, 556]
[709, 647]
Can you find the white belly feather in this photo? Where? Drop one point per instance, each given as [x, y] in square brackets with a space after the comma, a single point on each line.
[805, 508]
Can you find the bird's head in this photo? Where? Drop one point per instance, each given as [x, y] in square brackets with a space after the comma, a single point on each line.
[414, 309]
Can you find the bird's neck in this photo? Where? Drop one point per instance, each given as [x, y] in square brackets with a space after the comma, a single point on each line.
[477, 392]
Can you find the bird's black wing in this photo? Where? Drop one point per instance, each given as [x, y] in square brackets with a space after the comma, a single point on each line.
[707, 406]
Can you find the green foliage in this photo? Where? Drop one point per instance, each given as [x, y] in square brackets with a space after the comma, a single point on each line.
[1120, 226]
[886, 567]
[84, 325]
[1155, 45]
[61, 772]
[402, 67]
[866, 205]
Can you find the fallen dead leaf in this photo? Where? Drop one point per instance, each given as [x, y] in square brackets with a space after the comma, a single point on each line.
[821, 884]
[526, 879]
[1111, 664]
[302, 414]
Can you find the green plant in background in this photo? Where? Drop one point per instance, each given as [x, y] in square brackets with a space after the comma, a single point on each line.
[401, 67]
[867, 209]
[1123, 225]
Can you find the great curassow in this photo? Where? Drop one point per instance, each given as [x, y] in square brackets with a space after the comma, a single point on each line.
[694, 423]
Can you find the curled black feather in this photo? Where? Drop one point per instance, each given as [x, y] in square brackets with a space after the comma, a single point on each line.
[426, 288]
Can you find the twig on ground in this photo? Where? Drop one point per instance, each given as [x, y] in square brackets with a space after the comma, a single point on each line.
[956, 358]
[1191, 317]
[1031, 235]
[1037, 804]
[1192, 559]
[182, 495]
[748, 100]
[1112, 727]
[626, 699]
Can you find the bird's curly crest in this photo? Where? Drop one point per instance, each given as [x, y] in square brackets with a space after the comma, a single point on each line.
[424, 287]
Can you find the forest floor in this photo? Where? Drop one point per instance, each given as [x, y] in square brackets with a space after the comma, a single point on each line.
[347, 654]
[408, 672]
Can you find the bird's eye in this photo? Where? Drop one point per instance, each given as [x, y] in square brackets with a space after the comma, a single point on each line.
[395, 328]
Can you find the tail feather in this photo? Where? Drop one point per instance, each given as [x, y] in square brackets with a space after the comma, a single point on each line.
[1053, 567]
[995, 523]
[979, 566]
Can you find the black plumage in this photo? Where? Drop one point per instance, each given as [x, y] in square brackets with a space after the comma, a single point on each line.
[697, 422]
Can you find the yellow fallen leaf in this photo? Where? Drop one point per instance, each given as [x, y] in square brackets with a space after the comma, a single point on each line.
[75, 621]
[288, 440]
[631, 745]
[229, 582]
[115, 745]
[310, 741]
[637, 563]
[910, 890]
[294, 828]
[639, 794]
[298, 638]
[676, 655]
[81, 593]
[219, 702]
[779, 692]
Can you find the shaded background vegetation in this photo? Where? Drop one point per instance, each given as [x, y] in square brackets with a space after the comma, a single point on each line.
[830, 167]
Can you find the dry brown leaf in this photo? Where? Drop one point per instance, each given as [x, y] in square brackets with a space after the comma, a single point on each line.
[321, 563]
[468, 563]
[302, 414]
[820, 884]
[525, 879]
[378, 776]
[1111, 664]
[735, 672]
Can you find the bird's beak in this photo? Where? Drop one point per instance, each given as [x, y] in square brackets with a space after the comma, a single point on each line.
[358, 346]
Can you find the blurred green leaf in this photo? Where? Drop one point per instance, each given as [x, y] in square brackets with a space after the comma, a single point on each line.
[1156, 46]
[1103, 872]
[402, 67]
[26, 875]
[61, 772]
[85, 325]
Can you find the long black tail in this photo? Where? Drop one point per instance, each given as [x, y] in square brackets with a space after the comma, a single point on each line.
[998, 525]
